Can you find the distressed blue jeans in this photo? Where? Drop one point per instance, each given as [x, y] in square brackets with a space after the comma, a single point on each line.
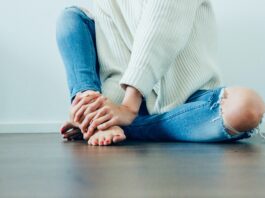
[199, 119]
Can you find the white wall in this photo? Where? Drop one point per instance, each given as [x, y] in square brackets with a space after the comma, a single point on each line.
[32, 78]
[241, 26]
[33, 89]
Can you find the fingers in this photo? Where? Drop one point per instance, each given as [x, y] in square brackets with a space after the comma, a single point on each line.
[101, 117]
[80, 95]
[94, 104]
[85, 123]
[81, 119]
[98, 121]
[83, 101]
[80, 113]
[112, 122]
[88, 134]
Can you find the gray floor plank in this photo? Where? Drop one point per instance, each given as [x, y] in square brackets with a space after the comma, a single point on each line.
[43, 165]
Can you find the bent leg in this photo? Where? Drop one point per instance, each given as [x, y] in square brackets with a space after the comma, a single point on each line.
[75, 36]
[242, 109]
[199, 120]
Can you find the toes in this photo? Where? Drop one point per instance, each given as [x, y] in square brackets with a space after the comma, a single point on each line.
[118, 138]
[101, 140]
[65, 127]
[108, 139]
[90, 141]
[93, 140]
[72, 134]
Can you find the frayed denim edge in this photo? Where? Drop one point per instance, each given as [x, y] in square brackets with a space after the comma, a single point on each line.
[220, 115]
[243, 134]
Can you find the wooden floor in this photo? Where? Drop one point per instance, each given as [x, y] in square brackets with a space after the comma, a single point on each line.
[43, 165]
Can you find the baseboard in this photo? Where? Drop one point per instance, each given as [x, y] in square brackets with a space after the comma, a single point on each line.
[41, 127]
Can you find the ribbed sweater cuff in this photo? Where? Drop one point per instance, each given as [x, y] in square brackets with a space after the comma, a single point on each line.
[140, 78]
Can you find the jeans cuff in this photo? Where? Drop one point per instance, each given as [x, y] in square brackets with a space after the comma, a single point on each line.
[82, 88]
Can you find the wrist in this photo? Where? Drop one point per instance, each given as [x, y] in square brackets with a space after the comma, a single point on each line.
[132, 99]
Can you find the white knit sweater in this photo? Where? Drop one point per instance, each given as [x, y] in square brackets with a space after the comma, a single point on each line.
[164, 48]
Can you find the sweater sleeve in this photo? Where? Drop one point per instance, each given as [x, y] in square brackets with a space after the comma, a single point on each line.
[164, 29]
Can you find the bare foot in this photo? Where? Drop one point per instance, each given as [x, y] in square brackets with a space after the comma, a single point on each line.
[71, 132]
[113, 134]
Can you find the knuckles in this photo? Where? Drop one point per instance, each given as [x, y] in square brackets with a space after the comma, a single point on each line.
[88, 109]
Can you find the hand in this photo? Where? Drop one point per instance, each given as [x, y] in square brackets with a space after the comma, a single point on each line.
[110, 115]
[84, 108]
[95, 115]
[71, 130]
[80, 103]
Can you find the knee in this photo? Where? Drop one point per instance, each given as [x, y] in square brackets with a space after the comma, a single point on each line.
[67, 20]
[242, 108]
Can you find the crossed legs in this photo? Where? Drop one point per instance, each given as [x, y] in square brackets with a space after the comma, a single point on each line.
[242, 108]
